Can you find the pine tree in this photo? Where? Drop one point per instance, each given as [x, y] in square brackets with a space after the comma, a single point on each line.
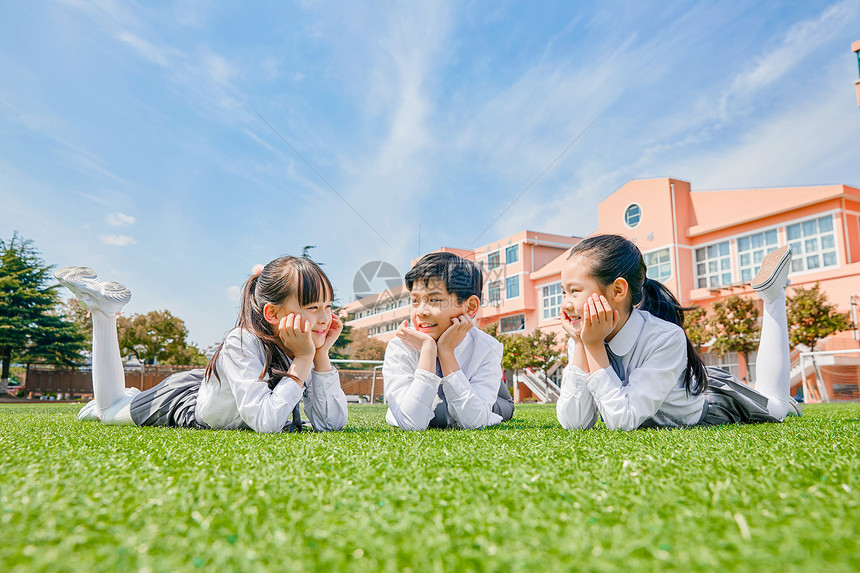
[32, 328]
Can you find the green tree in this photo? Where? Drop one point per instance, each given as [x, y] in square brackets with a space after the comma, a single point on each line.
[306, 252]
[340, 348]
[540, 350]
[365, 347]
[696, 327]
[812, 318]
[80, 317]
[513, 348]
[157, 337]
[734, 326]
[32, 327]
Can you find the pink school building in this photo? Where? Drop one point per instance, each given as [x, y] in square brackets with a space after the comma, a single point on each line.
[703, 245]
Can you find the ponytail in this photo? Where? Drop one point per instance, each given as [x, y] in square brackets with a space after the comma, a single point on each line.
[612, 257]
[659, 301]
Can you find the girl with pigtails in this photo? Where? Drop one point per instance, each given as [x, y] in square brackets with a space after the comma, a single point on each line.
[630, 362]
[276, 357]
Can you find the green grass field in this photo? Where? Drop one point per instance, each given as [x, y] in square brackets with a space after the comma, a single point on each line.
[524, 496]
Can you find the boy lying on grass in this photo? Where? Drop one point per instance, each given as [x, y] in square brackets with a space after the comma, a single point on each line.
[442, 372]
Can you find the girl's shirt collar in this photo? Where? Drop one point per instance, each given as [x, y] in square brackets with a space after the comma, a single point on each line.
[625, 339]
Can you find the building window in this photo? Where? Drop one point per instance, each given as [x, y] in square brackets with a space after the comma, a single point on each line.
[512, 254]
[512, 287]
[632, 215]
[658, 265]
[551, 301]
[494, 291]
[493, 260]
[751, 250]
[813, 244]
[512, 323]
[727, 361]
[713, 266]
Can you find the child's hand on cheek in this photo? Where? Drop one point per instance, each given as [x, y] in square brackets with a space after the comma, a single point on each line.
[598, 320]
[567, 326]
[414, 338]
[334, 330]
[455, 333]
[296, 336]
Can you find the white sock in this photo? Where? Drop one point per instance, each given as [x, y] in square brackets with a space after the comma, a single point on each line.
[108, 373]
[773, 364]
[119, 414]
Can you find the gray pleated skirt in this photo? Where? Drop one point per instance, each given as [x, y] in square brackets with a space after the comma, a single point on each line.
[172, 402]
[730, 401]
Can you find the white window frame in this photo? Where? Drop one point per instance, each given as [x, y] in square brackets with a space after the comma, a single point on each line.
[638, 215]
[490, 286]
[508, 283]
[749, 266]
[490, 265]
[719, 260]
[660, 264]
[512, 317]
[515, 249]
[551, 299]
[805, 247]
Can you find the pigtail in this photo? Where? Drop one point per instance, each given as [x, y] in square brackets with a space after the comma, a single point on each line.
[247, 312]
[659, 301]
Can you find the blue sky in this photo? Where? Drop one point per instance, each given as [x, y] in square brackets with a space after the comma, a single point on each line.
[136, 138]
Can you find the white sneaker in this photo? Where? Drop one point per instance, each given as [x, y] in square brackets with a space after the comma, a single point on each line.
[772, 277]
[89, 413]
[795, 408]
[106, 296]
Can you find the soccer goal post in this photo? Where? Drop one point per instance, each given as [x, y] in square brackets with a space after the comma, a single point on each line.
[830, 376]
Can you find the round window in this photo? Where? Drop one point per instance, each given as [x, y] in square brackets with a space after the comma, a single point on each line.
[632, 215]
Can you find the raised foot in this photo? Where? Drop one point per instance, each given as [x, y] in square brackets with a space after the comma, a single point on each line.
[97, 294]
[772, 277]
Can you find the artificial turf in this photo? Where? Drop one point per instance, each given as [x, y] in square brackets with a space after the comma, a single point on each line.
[523, 496]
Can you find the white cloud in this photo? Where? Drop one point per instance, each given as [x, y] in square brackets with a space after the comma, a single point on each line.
[234, 293]
[149, 51]
[117, 240]
[119, 219]
[219, 69]
[803, 145]
[801, 40]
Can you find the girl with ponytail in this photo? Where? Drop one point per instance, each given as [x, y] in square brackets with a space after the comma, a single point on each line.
[631, 362]
[275, 358]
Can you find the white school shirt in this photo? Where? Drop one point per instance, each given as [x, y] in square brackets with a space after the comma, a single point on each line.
[236, 398]
[471, 391]
[653, 355]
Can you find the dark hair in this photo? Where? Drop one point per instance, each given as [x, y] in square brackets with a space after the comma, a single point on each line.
[613, 257]
[460, 276]
[278, 281]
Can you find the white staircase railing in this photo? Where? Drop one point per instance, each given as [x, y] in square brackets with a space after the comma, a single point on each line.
[542, 387]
